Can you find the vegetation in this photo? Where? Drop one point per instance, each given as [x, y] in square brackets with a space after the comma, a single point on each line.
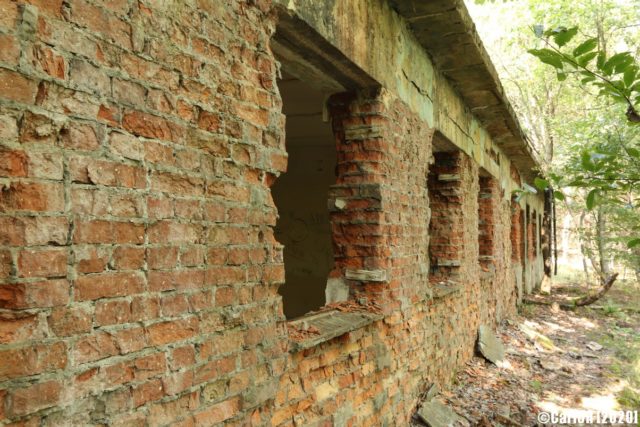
[578, 96]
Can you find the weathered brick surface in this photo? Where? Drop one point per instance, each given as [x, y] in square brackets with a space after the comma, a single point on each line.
[138, 266]
[136, 251]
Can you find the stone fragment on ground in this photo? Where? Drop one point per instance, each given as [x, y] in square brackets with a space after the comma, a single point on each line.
[594, 346]
[436, 414]
[490, 346]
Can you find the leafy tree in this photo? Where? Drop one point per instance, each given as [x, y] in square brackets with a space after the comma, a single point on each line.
[581, 126]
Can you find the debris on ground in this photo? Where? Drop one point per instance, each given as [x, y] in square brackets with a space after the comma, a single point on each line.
[594, 346]
[559, 361]
[300, 332]
[489, 345]
[435, 414]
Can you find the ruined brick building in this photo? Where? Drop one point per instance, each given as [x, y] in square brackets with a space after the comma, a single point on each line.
[163, 239]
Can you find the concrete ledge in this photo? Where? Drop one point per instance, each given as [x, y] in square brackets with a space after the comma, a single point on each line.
[329, 325]
[446, 31]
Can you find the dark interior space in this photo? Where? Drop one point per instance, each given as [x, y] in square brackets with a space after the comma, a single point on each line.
[301, 196]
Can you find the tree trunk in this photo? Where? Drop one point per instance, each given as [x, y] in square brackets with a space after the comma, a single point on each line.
[601, 236]
[583, 249]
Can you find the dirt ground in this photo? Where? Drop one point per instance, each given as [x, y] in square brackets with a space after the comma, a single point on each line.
[564, 362]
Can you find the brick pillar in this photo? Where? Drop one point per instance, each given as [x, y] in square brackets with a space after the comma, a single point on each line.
[355, 201]
[517, 244]
[446, 197]
[488, 198]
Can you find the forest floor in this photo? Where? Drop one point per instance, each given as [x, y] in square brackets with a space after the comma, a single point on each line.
[565, 362]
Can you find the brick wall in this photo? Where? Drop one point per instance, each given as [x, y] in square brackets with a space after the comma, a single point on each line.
[375, 375]
[139, 270]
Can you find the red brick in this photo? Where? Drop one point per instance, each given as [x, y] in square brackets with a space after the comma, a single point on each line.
[91, 259]
[13, 163]
[126, 146]
[177, 383]
[192, 257]
[102, 231]
[47, 7]
[159, 208]
[45, 165]
[147, 125]
[130, 340]
[38, 129]
[110, 114]
[42, 263]
[80, 136]
[162, 257]
[94, 347]
[208, 121]
[47, 293]
[149, 366]
[12, 231]
[107, 285]
[113, 312]
[128, 258]
[8, 14]
[49, 61]
[32, 360]
[128, 92]
[34, 398]
[145, 308]
[25, 196]
[174, 305]
[168, 280]
[68, 321]
[17, 327]
[111, 174]
[174, 232]
[16, 87]
[6, 263]
[172, 331]
[177, 184]
[9, 49]
[117, 374]
[182, 357]
[99, 20]
[218, 413]
[148, 392]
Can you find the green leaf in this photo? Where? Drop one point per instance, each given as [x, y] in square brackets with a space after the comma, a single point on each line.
[558, 195]
[561, 76]
[586, 46]
[617, 62]
[633, 152]
[585, 59]
[585, 161]
[633, 243]
[587, 80]
[548, 56]
[563, 36]
[591, 199]
[541, 184]
[630, 76]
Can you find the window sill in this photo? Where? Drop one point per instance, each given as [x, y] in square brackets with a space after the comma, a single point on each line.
[327, 325]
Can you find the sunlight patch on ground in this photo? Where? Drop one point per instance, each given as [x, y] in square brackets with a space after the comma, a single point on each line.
[605, 402]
